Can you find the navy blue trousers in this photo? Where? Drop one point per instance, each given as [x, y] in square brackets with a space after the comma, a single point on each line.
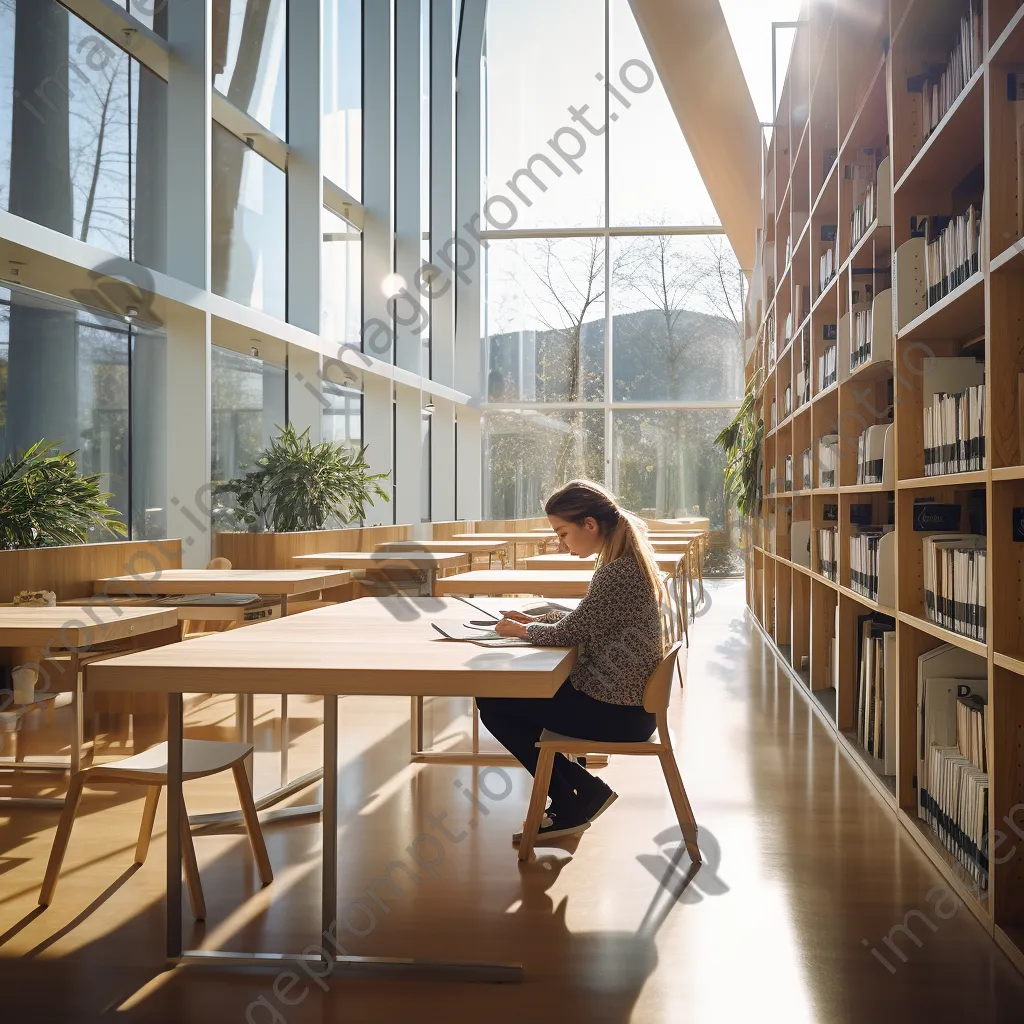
[517, 722]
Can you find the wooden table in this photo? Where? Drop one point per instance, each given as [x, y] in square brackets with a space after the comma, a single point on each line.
[80, 632]
[537, 539]
[280, 583]
[542, 582]
[470, 547]
[666, 562]
[427, 562]
[361, 647]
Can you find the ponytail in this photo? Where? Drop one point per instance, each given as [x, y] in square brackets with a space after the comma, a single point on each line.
[622, 532]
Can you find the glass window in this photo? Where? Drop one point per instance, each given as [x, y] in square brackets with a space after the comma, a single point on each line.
[665, 463]
[342, 419]
[70, 144]
[426, 423]
[152, 14]
[249, 210]
[542, 59]
[528, 454]
[150, 436]
[247, 407]
[425, 135]
[342, 275]
[64, 378]
[343, 94]
[545, 320]
[653, 177]
[249, 59]
[677, 332]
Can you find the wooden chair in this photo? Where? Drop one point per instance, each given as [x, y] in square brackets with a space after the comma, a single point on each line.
[657, 695]
[199, 759]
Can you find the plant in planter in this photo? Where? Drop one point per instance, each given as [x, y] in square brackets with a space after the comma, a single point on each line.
[298, 485]
[46, 502]
[743, 443]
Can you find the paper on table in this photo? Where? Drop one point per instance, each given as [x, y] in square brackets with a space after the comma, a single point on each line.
[482, 637]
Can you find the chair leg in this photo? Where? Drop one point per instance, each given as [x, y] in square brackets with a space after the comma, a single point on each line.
[684, 813]
[148, 820]
[60, 840]
[541, 781]
[191, 865]
[252, 824]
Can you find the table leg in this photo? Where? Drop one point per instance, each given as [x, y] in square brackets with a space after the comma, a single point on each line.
[329, 867]
[175, 730]
[78, 741]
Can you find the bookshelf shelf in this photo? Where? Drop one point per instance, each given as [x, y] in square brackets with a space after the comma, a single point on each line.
[866, 62]
[930, 483]
[965, 643]
[1010, 256]
[964, 886]
[954, 148]
[1015, 665]
[960, 315]
[867, 243]
[867, 602]
[864, 489]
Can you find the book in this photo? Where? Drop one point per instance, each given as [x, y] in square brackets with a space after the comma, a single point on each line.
[940, 672]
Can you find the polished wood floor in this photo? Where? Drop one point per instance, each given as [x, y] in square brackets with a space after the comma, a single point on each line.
[806, 873]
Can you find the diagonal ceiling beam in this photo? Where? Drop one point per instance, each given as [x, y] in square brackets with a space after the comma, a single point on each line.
[695, 58]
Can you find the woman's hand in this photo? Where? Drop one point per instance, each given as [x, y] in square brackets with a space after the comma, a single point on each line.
[519, 617]
[510, 627]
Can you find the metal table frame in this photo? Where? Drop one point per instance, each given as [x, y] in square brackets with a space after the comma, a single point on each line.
[346, 966]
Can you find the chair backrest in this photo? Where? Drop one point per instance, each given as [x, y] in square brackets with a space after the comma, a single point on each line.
[658, 691]
[219, 563]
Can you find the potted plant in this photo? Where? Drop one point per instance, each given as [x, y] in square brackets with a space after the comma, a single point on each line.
[297, 485]
[743, 443]
[45, 501]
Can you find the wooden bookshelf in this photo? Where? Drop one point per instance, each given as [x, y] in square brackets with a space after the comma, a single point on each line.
[845, 90]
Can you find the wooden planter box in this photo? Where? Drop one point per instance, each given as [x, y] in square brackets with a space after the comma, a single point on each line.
[276, 550]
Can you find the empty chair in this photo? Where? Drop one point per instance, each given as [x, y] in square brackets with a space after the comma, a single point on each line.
[199, 759]
[657, 695]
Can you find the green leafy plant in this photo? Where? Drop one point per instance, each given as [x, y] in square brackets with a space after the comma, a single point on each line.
[743, 443]
[45, 501]
[298, 485]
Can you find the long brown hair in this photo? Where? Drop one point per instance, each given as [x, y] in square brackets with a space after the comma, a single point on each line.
[622, 533]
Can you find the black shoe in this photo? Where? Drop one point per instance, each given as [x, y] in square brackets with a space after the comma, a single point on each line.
[558, 824]
[596, 799]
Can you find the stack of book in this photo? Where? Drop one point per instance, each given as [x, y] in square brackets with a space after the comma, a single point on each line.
[806, 470]
[860, 349]
[787, 478]
[803, 375]
[828, 553]
[952, 253]
[828, 261]
[828, 452]
[877, 689]
[863, 177]
[827, 365]
[871, 454]
[954, 582]
[952, 759]
[868, 560]
[934, 92]
[954, 432]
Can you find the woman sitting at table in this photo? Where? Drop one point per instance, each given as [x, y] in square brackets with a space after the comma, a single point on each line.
[617, 628]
